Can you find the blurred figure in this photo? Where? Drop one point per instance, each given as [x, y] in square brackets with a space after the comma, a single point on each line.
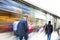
[58, 31]
[15, 23]
[49, 30]
[30, 26]
[22, 28]
[43, 28]
[15, 28]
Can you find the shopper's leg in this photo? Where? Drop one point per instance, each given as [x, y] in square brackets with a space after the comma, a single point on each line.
[26, 37]
[49, 37]
[21, 37]
[17, 38]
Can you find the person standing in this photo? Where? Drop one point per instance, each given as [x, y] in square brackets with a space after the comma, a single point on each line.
[58, 31]
[15, 23]
[49, 30]
[31, 27]
[22, 28]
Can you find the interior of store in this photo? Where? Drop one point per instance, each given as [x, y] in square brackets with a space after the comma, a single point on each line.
[6, 19]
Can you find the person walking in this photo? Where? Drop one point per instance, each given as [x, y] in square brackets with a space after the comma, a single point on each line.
[15, 23]
[49, 30]
[58, 31]
[22, 28]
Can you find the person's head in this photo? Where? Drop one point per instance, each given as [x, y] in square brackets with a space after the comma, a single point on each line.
[49, 22]
[45, 25]
[25, 16]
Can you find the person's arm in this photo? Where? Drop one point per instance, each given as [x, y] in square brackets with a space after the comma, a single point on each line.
[43, 29]
[26, 25]
[52, 28]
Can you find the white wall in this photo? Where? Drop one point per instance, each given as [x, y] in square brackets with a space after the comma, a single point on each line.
[40, 15]
[52, 6]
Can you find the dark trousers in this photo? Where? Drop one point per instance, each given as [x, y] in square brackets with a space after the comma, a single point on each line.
[25, 37]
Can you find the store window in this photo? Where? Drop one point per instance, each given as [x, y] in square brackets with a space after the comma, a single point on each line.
[58, 23]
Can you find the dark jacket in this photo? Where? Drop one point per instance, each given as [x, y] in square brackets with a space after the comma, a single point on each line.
[22, 28]
[49, 29]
